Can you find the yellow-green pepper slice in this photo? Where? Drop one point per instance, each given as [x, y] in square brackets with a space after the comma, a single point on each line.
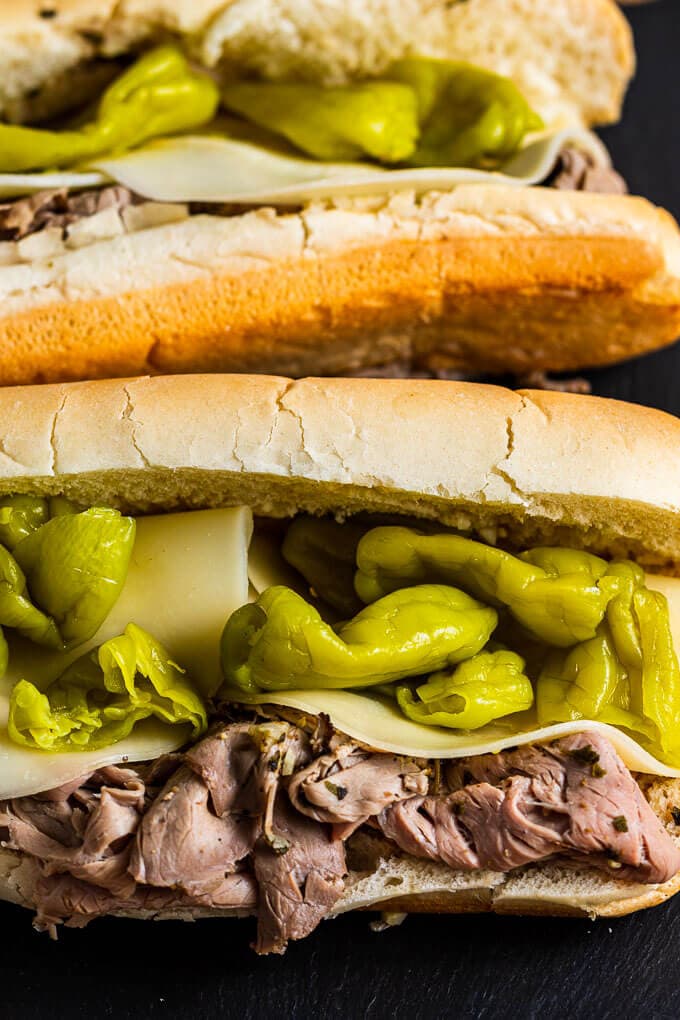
[158, 95]
[468, 116]
[324, 552]
[581, 683]
[101, 696]
[75, 567]
[17, 610]
[560, 603]
[376, 119]
[627, 676]
[486, 687]
[280, 642]
[20, 516]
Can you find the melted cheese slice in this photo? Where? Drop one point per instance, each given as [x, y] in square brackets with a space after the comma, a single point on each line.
[200, 168]
[378, 722]
[188, 573]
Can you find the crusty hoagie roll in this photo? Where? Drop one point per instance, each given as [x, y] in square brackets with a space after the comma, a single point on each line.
[356, 217]
[156, 765]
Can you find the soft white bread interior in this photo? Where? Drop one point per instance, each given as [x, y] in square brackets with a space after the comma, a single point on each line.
[528, 466]
[572, 58]
[484, 278]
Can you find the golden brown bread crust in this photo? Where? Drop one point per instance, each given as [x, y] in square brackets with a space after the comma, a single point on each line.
[470, 303]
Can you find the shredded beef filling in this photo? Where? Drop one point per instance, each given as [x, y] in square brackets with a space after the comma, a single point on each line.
[254, 819]
[58, 208]
[576, 170]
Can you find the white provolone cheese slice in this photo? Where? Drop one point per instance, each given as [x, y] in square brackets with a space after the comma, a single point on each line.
[14, 185]
[211, 168]
[379, 723]
[188, 573]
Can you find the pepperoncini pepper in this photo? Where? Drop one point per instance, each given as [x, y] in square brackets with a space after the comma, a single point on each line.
[376, 118]
[558, 602]
[101, 696]
[468, 116]
[158, 95]
[281, 642]
[324, 552]
[660, 675]
[579, 684]
[20, 516]
[488, 686]
[628, 676]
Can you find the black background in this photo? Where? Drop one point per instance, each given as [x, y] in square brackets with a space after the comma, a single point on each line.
[485, 966]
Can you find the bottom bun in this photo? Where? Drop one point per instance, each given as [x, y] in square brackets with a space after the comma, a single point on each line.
[383, 879]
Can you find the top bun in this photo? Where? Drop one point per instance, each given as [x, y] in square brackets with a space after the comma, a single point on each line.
[571, 58]
[522, 468]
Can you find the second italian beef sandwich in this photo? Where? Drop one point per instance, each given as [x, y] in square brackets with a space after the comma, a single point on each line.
[323, 188]
[289, 649]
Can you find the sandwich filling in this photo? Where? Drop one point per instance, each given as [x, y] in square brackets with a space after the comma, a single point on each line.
[165, 141]
[380, 680]
[259, 817]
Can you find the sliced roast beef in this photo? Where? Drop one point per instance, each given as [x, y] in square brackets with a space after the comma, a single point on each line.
[574, 797]
[183, 844]
[576, 170]
[247, 820]
[299, 886]
[211, 811]
[63, 899]
[350, 785]
[283, 749]
[57, 208]
[225, 761]
[86, 832]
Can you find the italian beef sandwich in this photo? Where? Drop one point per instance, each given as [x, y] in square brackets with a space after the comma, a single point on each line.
[328, 188]
[290, 649]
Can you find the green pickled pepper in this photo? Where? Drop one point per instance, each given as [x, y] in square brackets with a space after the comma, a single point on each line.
[75, 567]
[281, 642]
[159, 95]
[580, 683]
[101, 696]
[20, 516]
[557, 608]
[376, 119]
[487, 686]
[660, 675]
[17, 610]
[324, 552]
[468, 116]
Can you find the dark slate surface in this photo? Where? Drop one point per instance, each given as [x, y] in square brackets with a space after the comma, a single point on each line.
[476, 967]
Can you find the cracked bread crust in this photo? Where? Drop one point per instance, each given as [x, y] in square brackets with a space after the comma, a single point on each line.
[522, 467]
[479, 279]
